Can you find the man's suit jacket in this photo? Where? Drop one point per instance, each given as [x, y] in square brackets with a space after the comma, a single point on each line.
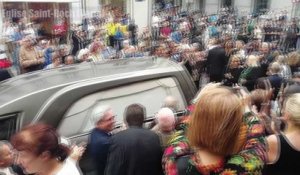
[216, 61]
[135, 151]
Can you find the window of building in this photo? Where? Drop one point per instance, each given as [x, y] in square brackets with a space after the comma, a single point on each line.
[226, 3]
[297, 9]
[261, 6]
[148, 93]
[201, 5]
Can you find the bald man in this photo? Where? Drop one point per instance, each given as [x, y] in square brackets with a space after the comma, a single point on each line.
[165, 127]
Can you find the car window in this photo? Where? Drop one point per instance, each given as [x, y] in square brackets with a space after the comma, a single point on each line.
[8, 126]
[148, 93]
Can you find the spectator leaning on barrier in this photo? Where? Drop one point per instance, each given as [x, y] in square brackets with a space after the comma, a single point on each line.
[31, 59]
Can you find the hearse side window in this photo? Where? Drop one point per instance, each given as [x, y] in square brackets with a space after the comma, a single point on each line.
[8, 126]
[149, 93]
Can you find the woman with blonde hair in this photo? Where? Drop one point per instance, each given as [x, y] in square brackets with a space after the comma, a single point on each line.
[286, 72]
[234, 71]
[251, 73]
[219, 138]
[284, 148]
[229, 48]
[293, 60]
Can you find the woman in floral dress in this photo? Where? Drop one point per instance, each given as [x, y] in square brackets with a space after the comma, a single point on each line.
[222, 137]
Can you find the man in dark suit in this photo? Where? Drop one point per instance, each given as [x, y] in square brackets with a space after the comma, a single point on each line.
[134, 151]
[216, 62]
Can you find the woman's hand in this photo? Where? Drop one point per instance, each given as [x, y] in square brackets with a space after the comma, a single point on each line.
[77, 151]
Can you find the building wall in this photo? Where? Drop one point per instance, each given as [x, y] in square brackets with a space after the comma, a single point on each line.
[76, 12]
[1, 23]
[92, 6]
[140, 11]
[244, 7]
[279, 5]
[212, 6]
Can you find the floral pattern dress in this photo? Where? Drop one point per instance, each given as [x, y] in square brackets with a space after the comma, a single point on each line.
[249, 161]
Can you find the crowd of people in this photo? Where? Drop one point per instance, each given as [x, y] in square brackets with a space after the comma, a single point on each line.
[247, 122]
[227, 130]
[184, 37]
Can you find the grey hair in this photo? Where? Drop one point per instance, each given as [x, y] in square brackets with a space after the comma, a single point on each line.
[265, 44]
[98, 113]
[4, 142]
[171, 102]
[275, 67]
[252, 61]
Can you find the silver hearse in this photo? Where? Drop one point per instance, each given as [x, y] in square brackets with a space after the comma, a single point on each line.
[64, 97]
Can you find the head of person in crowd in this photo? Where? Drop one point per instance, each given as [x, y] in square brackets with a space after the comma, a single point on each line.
[165, 120]
[103, 117]
[239, 44]
[263, 83]
[171, 102]
[275, 52]
[39, 150]
[289, 90]
[28, 41]
[235, 62]
[274, 68]
[296, 77]
[134, 115]
[281, 59]
[229, 46]
[69, 60]
[292, 111]
[252, 61]
[44, 43]
[218, 120]
[83, 55]
[265, 48]
[195, 47]
[213, 42]
[56, 59]
[293, 59]
[227, 37]
[63, 50]
[127, 47]
[96, 48]
[258, 98]
[7, 155]
[253, 46]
